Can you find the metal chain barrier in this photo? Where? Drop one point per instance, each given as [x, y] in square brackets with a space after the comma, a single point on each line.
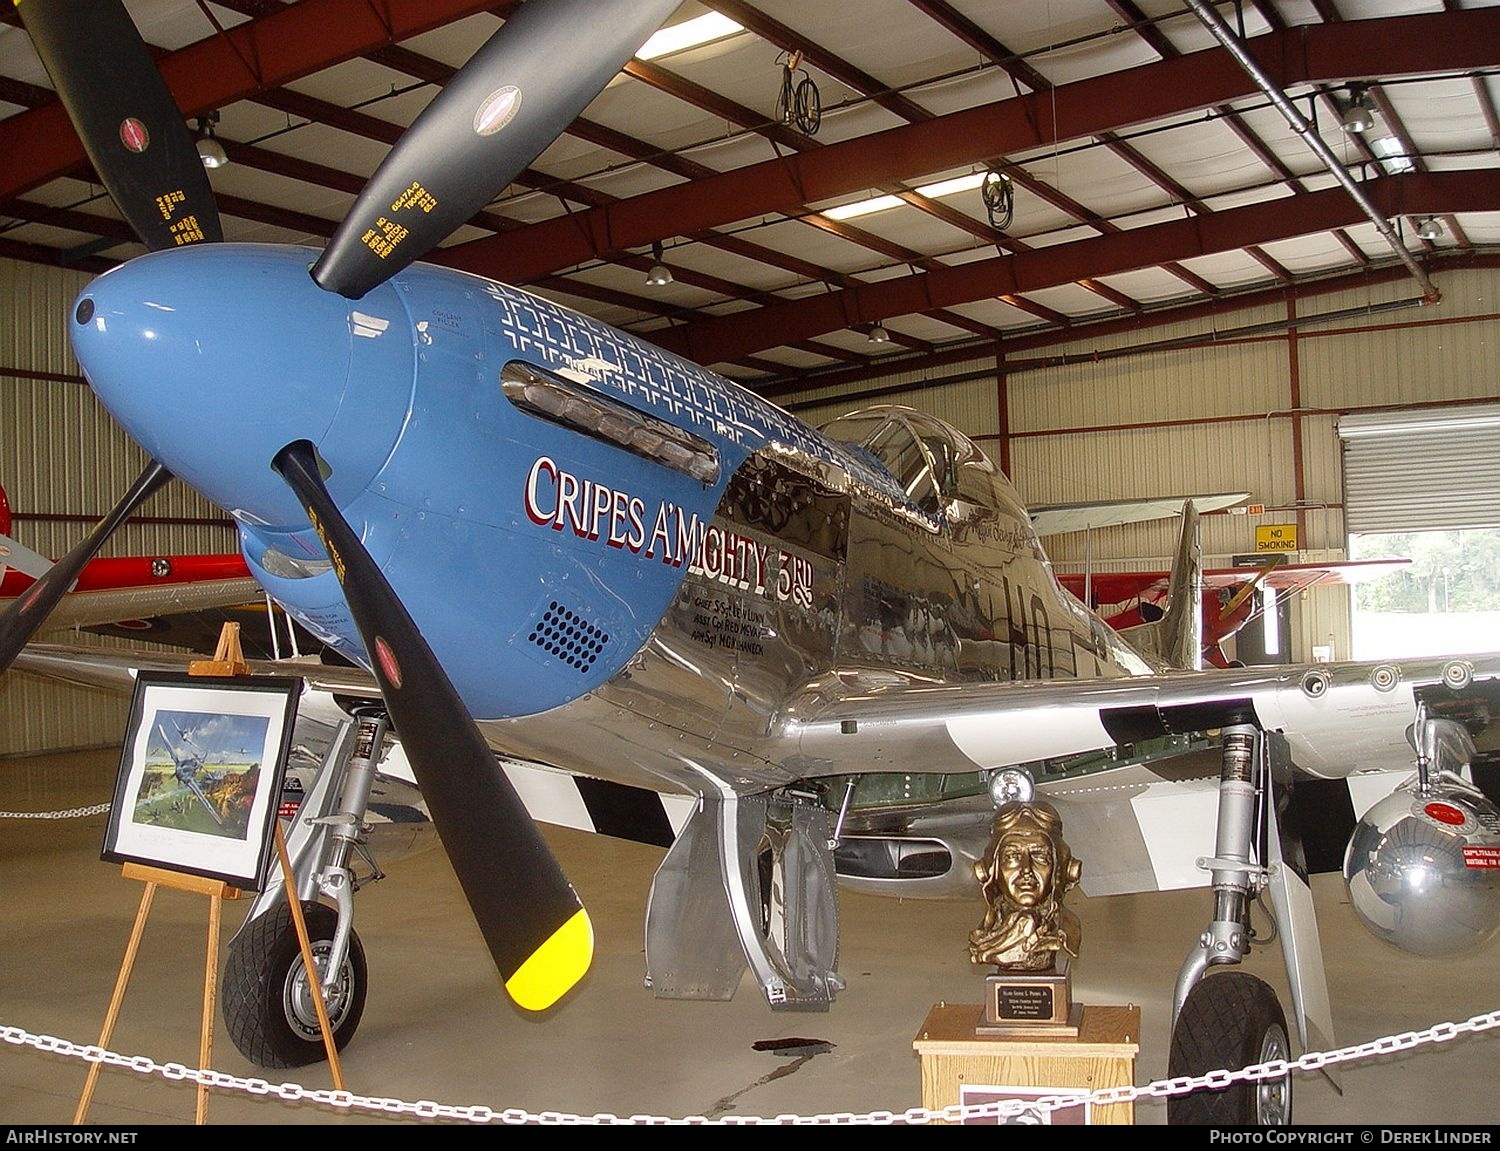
[74, 813]
[956, 1113]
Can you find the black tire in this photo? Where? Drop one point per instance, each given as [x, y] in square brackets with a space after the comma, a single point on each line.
[809, 106]
[1230, 1020]
[267, 1009]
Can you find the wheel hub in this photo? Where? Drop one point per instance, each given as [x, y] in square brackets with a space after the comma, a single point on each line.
[1273, 1097]
[298, 1002]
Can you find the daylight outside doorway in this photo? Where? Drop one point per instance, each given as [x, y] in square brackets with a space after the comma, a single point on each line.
[1447, 602]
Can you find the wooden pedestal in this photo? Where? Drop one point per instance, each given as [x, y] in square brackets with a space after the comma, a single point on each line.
[961, 1066]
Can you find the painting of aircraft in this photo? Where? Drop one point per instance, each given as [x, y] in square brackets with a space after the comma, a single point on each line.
[202, 770]
[545, 537]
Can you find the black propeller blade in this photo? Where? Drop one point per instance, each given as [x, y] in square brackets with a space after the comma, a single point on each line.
[536, 929]
[510, 101]
[126, 117]
[35, 604]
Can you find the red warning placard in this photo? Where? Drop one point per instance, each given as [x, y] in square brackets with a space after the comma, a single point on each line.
[1485, 858]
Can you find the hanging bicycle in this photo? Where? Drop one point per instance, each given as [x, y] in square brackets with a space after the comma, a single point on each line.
[798, 104]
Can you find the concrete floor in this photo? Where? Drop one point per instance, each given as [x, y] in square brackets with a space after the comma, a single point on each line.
[437, 1026]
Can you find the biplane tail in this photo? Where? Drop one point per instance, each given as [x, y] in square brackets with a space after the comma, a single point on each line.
[1175, 637]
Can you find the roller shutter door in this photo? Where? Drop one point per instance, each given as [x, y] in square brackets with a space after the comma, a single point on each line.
[1421, 470]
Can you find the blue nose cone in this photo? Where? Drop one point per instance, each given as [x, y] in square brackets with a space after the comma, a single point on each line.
[213, 357]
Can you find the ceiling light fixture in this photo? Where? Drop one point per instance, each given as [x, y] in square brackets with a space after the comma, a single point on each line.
[863, 207]
[210, 151]
[933, 191]
[1359, 116]
[878, 335]
[1430, 229]
[659, 275]
[689, 34]
[1392, 156]
[949, 187]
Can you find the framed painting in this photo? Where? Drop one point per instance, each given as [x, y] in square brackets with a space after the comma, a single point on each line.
[200, 775]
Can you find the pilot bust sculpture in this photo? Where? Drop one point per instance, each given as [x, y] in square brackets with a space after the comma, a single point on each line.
[1026, 871]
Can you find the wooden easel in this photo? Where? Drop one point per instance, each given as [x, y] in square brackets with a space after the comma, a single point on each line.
[154, 877]
[228, 660]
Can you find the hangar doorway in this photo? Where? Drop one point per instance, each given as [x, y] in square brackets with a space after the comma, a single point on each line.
[1424, 484]
[1446, 603]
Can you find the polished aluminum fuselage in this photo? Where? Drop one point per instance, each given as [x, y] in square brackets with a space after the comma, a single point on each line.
[809, 587]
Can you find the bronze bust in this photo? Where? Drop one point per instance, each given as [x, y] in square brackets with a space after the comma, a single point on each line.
[1026, 871]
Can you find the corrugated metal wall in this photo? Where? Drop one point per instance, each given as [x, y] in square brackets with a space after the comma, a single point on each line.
[972, 404]
[1217, 416]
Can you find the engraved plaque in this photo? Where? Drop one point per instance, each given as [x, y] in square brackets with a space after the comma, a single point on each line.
[1030, 1003]
[1034, 1004]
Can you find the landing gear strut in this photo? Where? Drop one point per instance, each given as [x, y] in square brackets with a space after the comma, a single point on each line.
[1229, 1020]
[269, 1008]
[749, 883]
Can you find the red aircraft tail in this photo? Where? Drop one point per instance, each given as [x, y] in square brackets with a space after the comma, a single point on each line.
[4, 513]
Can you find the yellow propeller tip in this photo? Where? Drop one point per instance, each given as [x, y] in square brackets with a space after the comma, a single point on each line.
[556, 966]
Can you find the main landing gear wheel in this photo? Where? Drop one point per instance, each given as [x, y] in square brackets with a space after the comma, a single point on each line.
[269, 1010]
[1230, 1020]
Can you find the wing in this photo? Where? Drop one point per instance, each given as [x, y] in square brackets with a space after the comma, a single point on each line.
[134, 587]
[266, 633]
[551, 795]
[1129, 764]
[1056, 519]
[1298, 577]
[1120, 587]
[114, 669]
[1337, 718]
[1116, 587]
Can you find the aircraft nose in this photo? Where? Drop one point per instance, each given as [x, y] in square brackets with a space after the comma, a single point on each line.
[213, 357]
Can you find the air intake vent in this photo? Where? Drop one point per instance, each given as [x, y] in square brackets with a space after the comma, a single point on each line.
[567, 636]
[878, 857]
[575, 406]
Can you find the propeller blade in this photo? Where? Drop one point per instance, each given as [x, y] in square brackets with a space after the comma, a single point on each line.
[535, 926]
[35, 604]
[1246, 589]
[126, 118]
[515, 96]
